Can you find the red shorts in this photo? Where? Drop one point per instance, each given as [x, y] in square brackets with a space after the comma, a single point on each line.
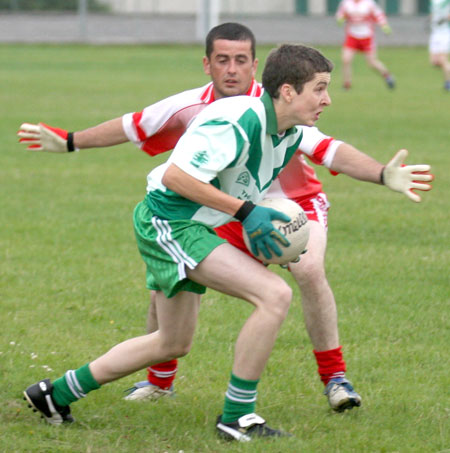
[365, 45]
[315, 209]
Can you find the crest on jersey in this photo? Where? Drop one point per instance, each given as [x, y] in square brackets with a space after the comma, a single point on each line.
[244, 178]
[200, 158]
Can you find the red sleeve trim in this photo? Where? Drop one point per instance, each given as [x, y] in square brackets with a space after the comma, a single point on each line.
[320, 151]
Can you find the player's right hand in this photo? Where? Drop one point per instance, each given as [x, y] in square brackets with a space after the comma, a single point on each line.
[387, 30]
[42, 137]
[406, 178]
[261, 232]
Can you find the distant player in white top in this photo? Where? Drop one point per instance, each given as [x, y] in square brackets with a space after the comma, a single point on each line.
[439, 44]
[231, 63]
[360, 18]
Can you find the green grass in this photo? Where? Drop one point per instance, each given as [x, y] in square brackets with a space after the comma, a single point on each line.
[72, 281]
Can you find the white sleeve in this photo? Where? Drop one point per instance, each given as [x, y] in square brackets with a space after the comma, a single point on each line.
[139, 126]
[207, 150]
[319, 147]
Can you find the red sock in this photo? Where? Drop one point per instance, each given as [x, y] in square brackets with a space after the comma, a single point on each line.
[331, 364]
[162, 374]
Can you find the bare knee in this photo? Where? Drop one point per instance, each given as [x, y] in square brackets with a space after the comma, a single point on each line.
[347, 59]
[309, 274]
[435, 61]
[176, 349]
[278, 301]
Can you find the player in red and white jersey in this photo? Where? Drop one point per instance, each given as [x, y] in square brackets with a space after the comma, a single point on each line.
[231, 63]
[360, 18]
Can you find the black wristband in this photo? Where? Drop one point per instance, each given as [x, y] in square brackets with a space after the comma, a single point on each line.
[246, 208]
[382, 176]
[70, 146]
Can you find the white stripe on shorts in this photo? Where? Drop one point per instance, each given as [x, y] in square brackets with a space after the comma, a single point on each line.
[172, 247]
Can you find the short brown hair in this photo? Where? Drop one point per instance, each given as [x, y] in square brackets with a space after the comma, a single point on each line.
[294, 64]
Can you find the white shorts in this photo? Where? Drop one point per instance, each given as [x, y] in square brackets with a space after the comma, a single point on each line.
[439, 42]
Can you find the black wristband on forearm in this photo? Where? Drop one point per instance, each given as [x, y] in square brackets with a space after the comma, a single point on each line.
[70, 146]
[382, 176]
[244, 211]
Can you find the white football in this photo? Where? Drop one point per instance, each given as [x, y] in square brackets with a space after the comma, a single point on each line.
[296, 231]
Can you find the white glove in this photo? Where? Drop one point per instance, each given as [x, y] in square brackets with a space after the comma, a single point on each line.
[405, 178]
[42, 137]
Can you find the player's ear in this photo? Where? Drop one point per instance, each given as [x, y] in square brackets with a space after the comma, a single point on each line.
[255, 67]
[286, 92]
[206, 66]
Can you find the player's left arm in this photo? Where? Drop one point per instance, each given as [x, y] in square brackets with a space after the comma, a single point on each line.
[379, 17]
[394, 175]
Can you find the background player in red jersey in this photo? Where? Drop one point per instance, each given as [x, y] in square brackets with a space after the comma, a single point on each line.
[231, 63]
[360, 18]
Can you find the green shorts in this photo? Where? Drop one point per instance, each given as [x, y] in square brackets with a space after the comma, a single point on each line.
[168, 247]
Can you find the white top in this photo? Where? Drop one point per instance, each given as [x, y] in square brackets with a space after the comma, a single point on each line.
[440, 13]
[360, 17]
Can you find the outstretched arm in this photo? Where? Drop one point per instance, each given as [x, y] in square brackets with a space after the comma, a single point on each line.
[354, 163]
[41, 137]
[394, 175]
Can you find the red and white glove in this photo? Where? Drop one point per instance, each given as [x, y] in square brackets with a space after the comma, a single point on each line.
[406, 178]
[42, 137]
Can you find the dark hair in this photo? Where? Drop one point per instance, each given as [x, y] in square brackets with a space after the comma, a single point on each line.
[293, 64]
[231, 31]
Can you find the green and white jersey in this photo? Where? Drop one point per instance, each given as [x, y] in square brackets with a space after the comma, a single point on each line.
[440, 11]
[232, 144]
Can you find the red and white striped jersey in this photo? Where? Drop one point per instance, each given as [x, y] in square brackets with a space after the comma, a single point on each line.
[360, 17]
[158, 127]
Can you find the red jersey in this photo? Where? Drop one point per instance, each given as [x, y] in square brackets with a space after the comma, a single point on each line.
[360, 17]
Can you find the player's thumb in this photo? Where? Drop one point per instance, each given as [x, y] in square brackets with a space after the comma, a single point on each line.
[398, 159]
[274, 214]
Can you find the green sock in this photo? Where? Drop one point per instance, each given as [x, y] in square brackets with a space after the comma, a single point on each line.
[73, 386]
[240, 399]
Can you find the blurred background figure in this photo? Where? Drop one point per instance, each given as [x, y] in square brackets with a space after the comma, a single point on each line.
[439, 44]
[360, 18]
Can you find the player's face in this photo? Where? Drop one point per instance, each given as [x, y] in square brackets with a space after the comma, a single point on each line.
[309, 104]
[231, 67]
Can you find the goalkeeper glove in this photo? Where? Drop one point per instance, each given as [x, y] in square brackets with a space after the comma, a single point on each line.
[387, 30]
[404, 178]
[41, 137]
[257, 222]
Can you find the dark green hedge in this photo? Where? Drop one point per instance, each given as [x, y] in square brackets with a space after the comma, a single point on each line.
[49, 5]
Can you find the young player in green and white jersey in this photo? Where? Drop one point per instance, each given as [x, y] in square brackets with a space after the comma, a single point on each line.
[185, 256]
[439, 43]
[171, 245]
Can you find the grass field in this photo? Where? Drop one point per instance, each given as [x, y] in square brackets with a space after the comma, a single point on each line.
[72, 281]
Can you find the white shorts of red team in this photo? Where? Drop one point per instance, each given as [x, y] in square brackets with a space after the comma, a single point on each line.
[316, 209]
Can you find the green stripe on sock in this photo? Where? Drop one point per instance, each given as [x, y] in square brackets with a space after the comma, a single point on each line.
[242, 390]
